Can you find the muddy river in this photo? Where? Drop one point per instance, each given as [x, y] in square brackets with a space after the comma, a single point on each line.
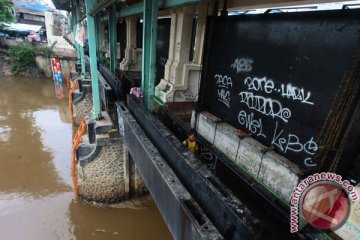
[36, 195]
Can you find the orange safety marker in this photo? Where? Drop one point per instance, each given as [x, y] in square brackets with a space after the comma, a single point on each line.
[72, 89]
[68, 76]
[76, 142]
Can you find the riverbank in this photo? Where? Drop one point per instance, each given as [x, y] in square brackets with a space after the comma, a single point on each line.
[5, 67]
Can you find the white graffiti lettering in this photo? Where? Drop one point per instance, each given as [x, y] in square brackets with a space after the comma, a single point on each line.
[309, 163]
[223, 81]
[224, 96]
[295, 93]
[310, 146]
[224, 84]
[242, 65]
[252, 125]
[266, 106]
[259, 84]
[291, 142]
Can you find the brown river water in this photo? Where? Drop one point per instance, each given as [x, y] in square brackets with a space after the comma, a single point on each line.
[36, 196]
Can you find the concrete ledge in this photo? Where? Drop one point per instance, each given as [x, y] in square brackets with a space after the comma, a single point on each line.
[83, 89]
[181, 213]
[278, 173]
[106, 93]
[202, 184]
[105, 124]
[206, 126]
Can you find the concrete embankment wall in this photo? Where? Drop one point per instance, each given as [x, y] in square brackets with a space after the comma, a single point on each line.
[44, 64]
[67, 56]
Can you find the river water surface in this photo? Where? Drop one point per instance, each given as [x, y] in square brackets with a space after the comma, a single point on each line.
[36, 195]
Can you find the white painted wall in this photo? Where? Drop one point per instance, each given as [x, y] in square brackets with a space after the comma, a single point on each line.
[61, 43]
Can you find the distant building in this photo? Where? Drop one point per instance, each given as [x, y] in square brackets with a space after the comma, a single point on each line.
[28, 16]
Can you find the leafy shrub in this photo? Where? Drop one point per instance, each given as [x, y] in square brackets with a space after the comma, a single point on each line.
[22, 57]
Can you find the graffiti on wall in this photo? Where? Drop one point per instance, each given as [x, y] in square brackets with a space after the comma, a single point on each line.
[262, 96]
[58, 79]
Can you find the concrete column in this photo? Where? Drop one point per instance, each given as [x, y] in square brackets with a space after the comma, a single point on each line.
[132, 59]
[99, 36]
[173, 28]
[200, 33]
[127, 173]
[181, 78]
[182, 45]
[112, 38]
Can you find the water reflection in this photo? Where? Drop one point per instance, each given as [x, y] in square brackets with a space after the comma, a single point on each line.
[36, 198]
[45, 218]
[26, 162]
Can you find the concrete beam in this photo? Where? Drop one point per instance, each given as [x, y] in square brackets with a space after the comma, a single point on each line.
[276, 172]
[233, 219]
[253, 4]
[168, 192]
[162, 4]
[132, 59]
[99, 36]
[100, 6]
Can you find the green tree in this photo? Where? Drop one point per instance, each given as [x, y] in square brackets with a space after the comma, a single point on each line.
[6, 11]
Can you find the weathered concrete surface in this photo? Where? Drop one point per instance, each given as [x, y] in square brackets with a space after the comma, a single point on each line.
[275, 171]
[102, 180]
[138, 188]
[249, 155]
[226, 140]
[43, 63]
[279, 174]
[206, 126]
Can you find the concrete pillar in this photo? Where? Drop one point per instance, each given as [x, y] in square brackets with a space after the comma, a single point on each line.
[132, 59]
[106, 173]
[99, 37]
[137, 185]
[127, 173]
[170, 60]
[181, 77]
[181, 47]
[200, 33]
[112, 38]
[82, 101]
[149, 39]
